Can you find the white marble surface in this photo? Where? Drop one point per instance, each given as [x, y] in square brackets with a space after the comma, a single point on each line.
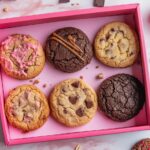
[108, 142]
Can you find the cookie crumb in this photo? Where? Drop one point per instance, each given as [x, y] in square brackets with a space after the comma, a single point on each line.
[99, 3]
[77, 147]
[97, 67]
[5, 9]
[81, 77]
[72, 4]
[44, 85]
[100, 76]
[86, 68]
[30, 80]
[77, 3]
[36, 82]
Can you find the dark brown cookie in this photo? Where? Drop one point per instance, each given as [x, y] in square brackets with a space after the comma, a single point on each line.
[142, 145]
[121, 97]
[69, 49]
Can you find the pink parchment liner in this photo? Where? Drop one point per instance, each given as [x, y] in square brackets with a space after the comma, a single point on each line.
[51, 76]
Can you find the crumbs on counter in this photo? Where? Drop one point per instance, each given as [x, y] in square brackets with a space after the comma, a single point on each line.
[97, 67]
[99, 3]
[77, 147]
[73, 4]
[36, 82]
[5, 9]
[31, 80]
[64, 1]
[100, 76]
[81, 77]
[44, 85]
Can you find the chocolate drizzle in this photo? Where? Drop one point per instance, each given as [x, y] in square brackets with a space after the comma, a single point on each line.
[72, 46]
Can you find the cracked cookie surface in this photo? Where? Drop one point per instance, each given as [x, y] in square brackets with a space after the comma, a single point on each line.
[73, 102]
[21, 56]
[116, 45]
[121, 97]
[142, 145]
[26, 108]
[69, 49]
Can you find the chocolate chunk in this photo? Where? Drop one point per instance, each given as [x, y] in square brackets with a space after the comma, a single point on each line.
[75, 84]
[107, 37]
[65, 111]
[99, 3]
[88, 103]
[73, 99]
[101, 40]
[108, 52]
[80, 112]
[112, 29]
[64, 1]
[26, 70]
[64, 89]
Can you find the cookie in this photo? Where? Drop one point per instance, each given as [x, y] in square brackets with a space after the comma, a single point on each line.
[26, 108]
[121, 97]
[21, 56]
[142, 145]
[73, 102]
[116, 45]
[69, 49]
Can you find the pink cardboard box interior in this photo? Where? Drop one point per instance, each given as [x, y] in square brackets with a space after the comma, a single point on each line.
[90, 21]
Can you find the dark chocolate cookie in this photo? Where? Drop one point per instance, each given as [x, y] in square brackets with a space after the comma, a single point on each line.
[121, 97]
[142, 145]
[69, 49]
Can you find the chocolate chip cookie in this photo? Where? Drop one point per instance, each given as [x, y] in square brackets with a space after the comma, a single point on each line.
[73, 102]
[26, 108]
[142, 145]
[121, 97]
[116, 45]
[21, 56]
[69, 49]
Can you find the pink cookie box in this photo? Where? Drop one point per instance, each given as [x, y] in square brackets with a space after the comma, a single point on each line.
[90, 21]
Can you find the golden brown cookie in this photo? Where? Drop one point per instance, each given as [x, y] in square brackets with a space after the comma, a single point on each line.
[21, 56]
[26, 108]
[73, 102]
[116, 45]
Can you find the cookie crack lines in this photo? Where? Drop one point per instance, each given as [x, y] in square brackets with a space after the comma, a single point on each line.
[118, 106]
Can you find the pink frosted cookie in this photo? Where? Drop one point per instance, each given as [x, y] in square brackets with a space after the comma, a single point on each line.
[26, 108]
[21, 56]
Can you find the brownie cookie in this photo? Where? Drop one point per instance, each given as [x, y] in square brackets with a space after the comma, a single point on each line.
[116, 45]
[73, 102]
[121, 97]
[142, 145]
[69, 49]
[21, 56]
[26, 108]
